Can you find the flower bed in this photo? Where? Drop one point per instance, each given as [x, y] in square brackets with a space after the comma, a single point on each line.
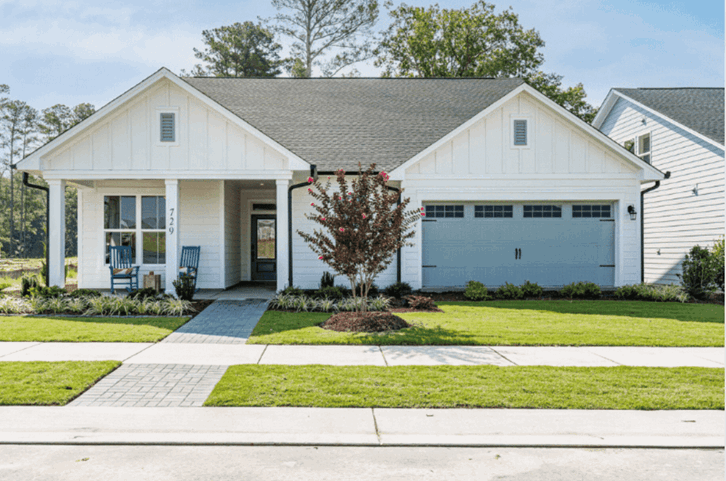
[96, 306]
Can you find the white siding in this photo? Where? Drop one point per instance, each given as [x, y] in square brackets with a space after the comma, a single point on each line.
[561, 163]
[128, 140]
[199, 224]
[307, 269]
[675, 218]
[232, 234]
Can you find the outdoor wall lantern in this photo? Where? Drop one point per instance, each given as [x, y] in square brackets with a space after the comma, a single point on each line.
[631, 211]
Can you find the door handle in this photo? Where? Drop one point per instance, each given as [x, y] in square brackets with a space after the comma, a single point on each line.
[520, 253]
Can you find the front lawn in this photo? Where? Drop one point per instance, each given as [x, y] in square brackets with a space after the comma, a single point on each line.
[520, 323]
[471, 387]
[88, 329]
[49, 383]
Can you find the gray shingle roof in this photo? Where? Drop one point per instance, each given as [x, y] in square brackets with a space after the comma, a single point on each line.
[699, 109]
[337, 123]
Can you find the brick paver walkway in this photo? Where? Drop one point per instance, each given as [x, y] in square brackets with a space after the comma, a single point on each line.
[224, 322]
[154, 385]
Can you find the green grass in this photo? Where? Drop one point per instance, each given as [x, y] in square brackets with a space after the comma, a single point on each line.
[88, 329]
[49, 383]
[471, 386]
[520, 323]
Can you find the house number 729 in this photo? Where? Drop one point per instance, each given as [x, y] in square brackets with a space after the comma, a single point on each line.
[171, 220]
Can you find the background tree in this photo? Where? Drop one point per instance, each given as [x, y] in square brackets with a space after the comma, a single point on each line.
[57, 119]
[362, 227]
[320, 27]
[239, 50]
[471, 42]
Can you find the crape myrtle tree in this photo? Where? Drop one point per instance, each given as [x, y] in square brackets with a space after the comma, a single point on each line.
[362, 227]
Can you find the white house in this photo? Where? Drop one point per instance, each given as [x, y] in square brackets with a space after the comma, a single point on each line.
[680, 130]
[515, 187]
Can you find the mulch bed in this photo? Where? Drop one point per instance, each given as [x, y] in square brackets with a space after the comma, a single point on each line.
[408, 309]
[364, 322]
[200, 305]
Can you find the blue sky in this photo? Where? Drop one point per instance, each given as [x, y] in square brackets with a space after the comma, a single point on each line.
[71, 51]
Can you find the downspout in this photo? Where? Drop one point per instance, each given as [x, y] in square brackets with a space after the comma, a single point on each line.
[642, 224]
[47, 223]
[398, 252]
[314, 175]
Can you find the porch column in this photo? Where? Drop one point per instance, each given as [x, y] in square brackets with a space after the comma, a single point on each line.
[282, 253]
[57, 233]
[172, 234]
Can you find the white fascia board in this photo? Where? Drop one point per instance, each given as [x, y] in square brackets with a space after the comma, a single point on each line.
[649, 172]
[73, 175]
[32, 162]
[668, 119]
[399, 172]
[604, 110]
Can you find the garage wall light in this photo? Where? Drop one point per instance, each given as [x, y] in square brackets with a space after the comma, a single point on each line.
[632, 212]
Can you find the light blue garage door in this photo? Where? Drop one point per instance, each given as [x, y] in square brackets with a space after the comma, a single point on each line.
[550, 244]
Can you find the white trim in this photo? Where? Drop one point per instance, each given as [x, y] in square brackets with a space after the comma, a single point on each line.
[32, 161]
[157, 126]
[222, 236]
[610, 102]
[247, 242]
[654, 174]
[167, 174]
[79, 239]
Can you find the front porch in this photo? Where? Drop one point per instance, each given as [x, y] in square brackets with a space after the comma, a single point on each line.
[239, 224]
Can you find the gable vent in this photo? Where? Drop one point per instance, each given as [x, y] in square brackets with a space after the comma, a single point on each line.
[520, 132]
[167, 127]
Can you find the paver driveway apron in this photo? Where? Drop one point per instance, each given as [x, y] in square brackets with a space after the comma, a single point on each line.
[149, 384]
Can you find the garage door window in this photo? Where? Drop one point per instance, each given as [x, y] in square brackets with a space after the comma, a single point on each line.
[493, 211]
[449, 211]
[590, 211]
[541, 211]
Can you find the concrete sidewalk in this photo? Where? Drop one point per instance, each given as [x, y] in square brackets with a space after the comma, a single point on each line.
[362, 427]
[229, 354]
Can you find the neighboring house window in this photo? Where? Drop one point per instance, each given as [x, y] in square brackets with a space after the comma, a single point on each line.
[122, 229]
[644, 147]
[629, 145]
[519, 134]
[585, 211]
[493, 211]
[455, 211]
[541, 211]
[167, 127]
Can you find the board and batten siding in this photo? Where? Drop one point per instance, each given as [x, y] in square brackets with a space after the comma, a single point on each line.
[232, 234]
[199, 223]
[561, 164]
[307, 268]
[675, 217]
[128, 140]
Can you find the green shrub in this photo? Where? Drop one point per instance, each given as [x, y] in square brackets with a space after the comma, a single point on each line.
[328, 280]
[581, 290]
[184, 287]
[717, 252]
[421, 303]
[292, 291]
[379, 303]
[143, 294]
[655, 293]
[476, 291]
[509, 291]
[627, 293]
[531, 289]
[699, 273]
[5, 285]
[78, 293]
[47, 292]
[27, 282]
[399, 290]
[329, 292]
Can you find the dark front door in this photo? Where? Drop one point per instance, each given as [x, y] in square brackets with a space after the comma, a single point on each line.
[264, 262]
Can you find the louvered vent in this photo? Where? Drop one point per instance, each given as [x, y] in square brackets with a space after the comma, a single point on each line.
[520, 132]
[167, 127]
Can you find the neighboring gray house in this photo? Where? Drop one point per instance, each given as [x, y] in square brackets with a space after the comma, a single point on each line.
[514, 186]
[680, 130]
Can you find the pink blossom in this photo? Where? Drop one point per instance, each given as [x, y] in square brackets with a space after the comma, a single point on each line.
[322, 218]
[311, 180]
[342, 230]
[320, 257]
[340, 198]
[312, 204]
[328, 177]
[423, 214]
[364, 216]
[350, 193]
[309, 189]
[422, 208]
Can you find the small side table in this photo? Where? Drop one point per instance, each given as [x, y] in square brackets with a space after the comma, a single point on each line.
[152, 281]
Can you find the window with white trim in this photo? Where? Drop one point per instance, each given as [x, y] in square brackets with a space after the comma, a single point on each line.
[493, 211]
[542, 211]
[121, 227]
[445, 211]
[643, 147]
